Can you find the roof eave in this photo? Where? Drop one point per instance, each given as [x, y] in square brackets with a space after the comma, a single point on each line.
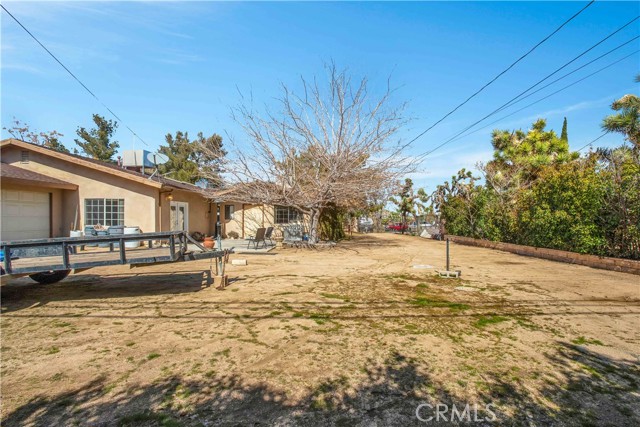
[78, 160]
[36, 183]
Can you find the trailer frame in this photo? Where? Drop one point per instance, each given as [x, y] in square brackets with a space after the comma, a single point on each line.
[176, 243]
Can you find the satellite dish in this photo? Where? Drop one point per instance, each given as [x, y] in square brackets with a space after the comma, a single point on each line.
[157, 158]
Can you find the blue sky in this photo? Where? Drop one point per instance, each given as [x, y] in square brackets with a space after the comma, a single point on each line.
[164, 67]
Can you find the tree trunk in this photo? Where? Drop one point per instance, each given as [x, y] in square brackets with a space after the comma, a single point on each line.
[377, 222]
[404, 223]
[314, 225]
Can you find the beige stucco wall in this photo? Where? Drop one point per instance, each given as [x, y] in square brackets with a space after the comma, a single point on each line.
[252, 217]
[201, 212]
[57, 226]
[139, 199]
[231, 224]
[247, 218]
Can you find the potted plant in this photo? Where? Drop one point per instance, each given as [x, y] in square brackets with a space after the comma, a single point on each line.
[209, 242]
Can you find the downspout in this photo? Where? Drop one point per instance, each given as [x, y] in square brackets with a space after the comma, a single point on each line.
[219, 235]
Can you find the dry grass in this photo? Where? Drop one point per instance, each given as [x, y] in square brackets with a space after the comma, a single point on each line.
[336, 337]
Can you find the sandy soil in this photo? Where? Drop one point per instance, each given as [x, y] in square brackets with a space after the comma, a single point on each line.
[353, 335]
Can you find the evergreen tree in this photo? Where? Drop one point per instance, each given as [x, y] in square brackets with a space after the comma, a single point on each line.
[96, 143]
[181, 165]
[188, 159]
[208, 155]
[564, 136]
[525, 153]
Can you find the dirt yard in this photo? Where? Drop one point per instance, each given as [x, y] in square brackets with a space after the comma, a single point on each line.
[353, 335]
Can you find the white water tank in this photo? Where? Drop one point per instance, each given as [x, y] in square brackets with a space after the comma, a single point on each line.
[136, 159]
[131, 244]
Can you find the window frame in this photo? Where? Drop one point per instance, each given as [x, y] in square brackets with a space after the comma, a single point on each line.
[104, 211]
[231, 209]
[292, 215]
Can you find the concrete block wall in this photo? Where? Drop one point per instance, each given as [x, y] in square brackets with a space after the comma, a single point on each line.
[606, 263]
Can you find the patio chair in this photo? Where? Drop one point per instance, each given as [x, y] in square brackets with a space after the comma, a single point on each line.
[293, 235]
[259, 237]
[267, 235]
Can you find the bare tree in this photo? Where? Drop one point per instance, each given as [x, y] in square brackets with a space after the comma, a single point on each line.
[23, 132]
[327, 145]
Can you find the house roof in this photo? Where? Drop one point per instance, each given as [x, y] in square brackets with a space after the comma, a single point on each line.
[14, 174]
[252, 192]
[110, 168]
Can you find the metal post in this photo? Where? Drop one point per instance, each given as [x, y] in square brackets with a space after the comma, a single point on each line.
[7, 259]
[65, 255]
[172, 247]
[218, 224]
[220, 260]
[121, 249]
[447, 254]
[219, 237]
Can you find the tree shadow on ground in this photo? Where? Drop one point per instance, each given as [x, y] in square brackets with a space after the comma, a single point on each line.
[24, 292]
[388, 395]
[581, 388]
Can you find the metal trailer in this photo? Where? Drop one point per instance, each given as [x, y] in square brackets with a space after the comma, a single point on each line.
[51, 260]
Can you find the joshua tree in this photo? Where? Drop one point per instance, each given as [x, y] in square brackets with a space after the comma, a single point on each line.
[627, 120]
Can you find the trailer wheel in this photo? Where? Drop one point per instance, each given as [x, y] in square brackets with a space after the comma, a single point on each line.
[49, 277]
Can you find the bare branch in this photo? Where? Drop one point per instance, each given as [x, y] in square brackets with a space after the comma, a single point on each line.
[332, 145]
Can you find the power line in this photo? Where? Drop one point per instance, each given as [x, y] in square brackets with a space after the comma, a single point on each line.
[550, 95]
[501, 73]
[527, 90]
[586, 145]
[72, 75]
[571, 72]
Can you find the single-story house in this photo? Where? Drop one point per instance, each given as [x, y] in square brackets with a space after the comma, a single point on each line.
[244, 218]
[46, 193]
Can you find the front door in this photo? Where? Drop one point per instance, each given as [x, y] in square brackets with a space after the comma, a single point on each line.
[179, 216]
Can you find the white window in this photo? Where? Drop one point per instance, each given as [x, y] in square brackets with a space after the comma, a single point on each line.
[106, 212]
[228, 212]
[286, 215]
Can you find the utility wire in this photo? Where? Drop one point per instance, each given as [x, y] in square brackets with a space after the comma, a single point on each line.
[571, 72]
[422, 156]
[548, 96]
[73, 75]
[501, 73]
[586, 145]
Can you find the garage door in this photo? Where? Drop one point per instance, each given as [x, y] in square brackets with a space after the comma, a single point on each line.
[25, 215]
